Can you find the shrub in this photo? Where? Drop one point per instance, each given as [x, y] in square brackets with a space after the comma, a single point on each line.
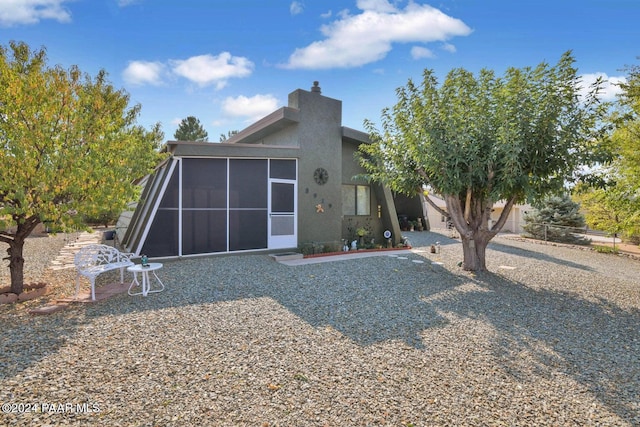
[556, 219]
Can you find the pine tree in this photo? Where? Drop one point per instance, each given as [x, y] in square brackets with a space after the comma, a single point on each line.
[556, 219]
[229, 134]
[190, 129]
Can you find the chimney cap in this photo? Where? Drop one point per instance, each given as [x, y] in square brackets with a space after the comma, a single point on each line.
[316, 87]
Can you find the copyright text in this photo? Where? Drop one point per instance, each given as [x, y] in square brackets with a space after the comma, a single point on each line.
[50, 408]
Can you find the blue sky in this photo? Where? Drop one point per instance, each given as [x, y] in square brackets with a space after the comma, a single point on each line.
[230, 62]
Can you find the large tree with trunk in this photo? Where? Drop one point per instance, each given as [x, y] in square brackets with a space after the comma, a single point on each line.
[479, 139]
[70, 148]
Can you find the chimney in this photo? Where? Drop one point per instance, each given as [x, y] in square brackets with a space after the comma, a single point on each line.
[316, 88]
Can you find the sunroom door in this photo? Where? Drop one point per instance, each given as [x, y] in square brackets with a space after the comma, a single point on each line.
[283, 224]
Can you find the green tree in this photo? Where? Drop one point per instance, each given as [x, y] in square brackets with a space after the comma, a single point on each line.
[615, 210]
[229, 134]
[614, 205]
[70, 147]
[558, 219]
[479, 139]
[190, 129]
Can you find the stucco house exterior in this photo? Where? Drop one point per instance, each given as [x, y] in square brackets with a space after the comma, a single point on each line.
[282, 182]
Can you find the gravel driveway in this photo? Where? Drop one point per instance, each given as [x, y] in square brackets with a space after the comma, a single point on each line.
[550, 336]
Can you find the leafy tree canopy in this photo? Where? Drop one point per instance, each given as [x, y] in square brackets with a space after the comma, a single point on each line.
[478, 139]
[190, 129]
[70, 147]
[614, 206]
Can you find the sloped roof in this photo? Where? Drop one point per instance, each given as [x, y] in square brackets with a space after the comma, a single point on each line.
[278, 120]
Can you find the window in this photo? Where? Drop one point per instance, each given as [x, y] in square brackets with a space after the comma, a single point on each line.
[356, 200]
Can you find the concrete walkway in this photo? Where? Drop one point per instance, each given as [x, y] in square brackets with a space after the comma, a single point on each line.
[343, 256]
[75, 242]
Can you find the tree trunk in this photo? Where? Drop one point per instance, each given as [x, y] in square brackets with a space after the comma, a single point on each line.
[16, 248]
[472, 224]
[16, 265]
[474, 250]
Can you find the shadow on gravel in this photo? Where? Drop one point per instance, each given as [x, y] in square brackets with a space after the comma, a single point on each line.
[511, 250]
[426, 239]
[368, 300]
[387, 299]
[594, 342]
[28, 341]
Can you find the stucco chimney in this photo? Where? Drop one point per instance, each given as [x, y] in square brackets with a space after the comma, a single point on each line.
[316, 88]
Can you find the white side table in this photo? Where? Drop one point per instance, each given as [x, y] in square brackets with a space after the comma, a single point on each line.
[146, 283]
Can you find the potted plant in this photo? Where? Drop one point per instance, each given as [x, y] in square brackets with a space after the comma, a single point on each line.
[361, 232]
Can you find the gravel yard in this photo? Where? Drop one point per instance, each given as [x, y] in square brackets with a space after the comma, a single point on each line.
[549, 337]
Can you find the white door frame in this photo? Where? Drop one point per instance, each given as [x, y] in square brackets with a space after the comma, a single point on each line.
[280, 241]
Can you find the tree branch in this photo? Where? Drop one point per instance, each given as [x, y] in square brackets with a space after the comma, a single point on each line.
[5, 238]
[436, 207]
[467, 205]
[455, 211]
[503, 216]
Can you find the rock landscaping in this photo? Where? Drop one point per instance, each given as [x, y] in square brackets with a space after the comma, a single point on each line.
[550, 336]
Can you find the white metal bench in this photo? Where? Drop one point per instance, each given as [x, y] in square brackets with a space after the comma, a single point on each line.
[93, 260]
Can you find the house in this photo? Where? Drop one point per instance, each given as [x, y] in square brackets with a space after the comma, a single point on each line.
[514, 222]
[284, 181]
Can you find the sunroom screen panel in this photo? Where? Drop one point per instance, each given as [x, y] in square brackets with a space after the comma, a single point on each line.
[162, 238]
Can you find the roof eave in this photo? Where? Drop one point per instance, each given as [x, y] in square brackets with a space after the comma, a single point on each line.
[354, 135]
[278, 120]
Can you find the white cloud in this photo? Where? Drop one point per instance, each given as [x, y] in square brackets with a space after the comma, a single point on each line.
[382, 6]
[209, 69]
[143, 72]
[419, 52]
[17, 12]
[326, 15]
[609, 89]
[203, 70]
[296, 8]
[448, 47]
[355, 40]
[253, 108]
